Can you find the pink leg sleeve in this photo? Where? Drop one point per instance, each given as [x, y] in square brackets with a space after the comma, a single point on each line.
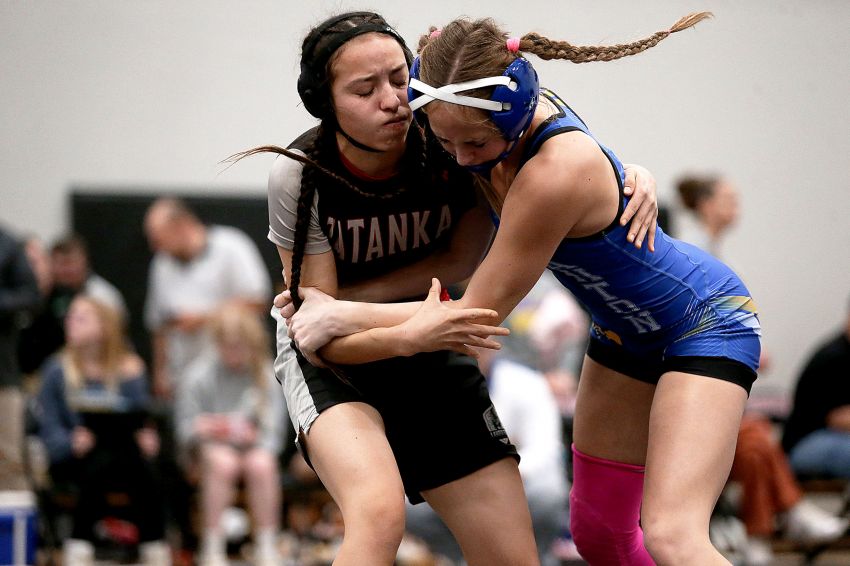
[605, 511]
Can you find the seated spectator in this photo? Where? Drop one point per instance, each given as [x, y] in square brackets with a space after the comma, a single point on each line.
[526, 407]
[817, 433]
[93, 405]
[229, 419]
[771, 495]
[69, 274]
[72, 274]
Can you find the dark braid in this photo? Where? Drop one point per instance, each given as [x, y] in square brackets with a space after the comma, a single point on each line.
[309, 184]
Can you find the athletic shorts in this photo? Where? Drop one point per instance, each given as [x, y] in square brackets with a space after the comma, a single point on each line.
[728, 351]
[436, 409]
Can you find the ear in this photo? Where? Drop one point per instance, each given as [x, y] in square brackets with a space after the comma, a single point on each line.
[521, 97]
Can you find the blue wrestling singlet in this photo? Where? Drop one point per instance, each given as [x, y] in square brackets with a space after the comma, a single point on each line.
[651, 307]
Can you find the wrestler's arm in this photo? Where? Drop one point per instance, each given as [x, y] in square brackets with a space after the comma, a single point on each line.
[457, 330]
[566, 189]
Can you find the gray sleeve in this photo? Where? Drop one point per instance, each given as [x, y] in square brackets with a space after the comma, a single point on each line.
[250, 279]
[284, 188]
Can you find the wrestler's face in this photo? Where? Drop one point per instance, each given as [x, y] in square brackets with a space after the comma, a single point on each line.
[369, 89]
[466, 133]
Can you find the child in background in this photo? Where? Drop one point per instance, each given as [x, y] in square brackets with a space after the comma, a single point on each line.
[230, 419]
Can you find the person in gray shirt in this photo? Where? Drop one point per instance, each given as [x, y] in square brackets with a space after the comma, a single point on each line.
[196, 269]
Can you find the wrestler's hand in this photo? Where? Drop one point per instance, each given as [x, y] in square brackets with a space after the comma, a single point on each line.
[642, 209]
[283, 301]
[319, 320]
[436, 326]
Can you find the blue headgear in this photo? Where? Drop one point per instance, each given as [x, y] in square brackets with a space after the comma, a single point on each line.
[511, 105]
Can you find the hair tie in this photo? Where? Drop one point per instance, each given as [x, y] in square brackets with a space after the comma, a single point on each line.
[513, 44]
[435, 34]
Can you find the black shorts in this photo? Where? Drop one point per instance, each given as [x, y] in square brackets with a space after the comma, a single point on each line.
[436, 409]
[650, 368]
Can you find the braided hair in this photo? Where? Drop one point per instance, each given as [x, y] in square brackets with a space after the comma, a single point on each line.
[466, 50]
[323, 147]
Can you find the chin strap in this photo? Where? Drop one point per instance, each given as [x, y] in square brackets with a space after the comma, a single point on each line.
[486, 167]
[358, 144]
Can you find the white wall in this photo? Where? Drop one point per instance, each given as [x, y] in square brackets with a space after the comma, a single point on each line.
[155, 93]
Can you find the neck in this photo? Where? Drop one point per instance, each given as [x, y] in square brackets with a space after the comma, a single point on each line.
[383, 164]
[714, 229]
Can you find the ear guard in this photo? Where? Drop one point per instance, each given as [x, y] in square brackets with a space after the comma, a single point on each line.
[312, 81]
[511, 105]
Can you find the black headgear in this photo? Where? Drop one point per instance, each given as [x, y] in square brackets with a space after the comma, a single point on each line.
[313, 80]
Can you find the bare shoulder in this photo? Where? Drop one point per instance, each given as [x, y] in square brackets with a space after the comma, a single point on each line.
[571, 174]
[565, 164]
[576, 156]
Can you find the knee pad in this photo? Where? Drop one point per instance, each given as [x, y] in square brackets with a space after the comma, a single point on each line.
[605, 511]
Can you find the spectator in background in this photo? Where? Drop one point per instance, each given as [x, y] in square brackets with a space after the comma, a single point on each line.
[18, 294]
[548, 329]
[713, 203]
[70, 273]
[73, 274]
[196, 269]
[817, 434]
[771, 495]
[230, 415]
[93, 400]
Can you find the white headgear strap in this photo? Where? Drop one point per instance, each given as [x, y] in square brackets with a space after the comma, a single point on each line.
[447, 93]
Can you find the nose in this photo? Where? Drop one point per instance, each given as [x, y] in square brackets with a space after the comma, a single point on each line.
[389, 98]
[465, 157]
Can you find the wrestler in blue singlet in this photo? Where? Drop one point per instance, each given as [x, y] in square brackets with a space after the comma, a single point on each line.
[677, 308]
